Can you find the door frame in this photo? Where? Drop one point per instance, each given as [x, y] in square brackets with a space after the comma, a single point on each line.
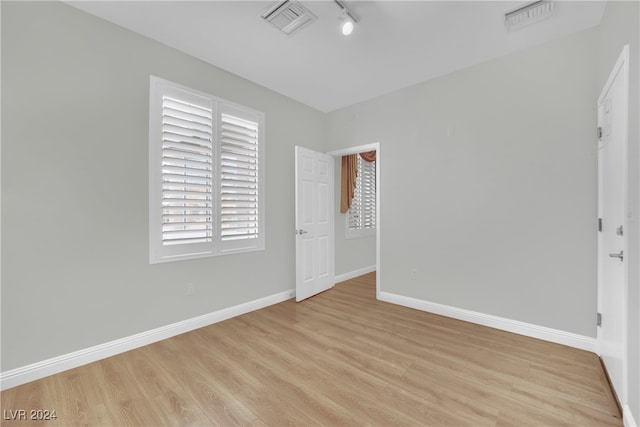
[355, 150]
[621, 66]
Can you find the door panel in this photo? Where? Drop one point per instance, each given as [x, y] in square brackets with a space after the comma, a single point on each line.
[314, 223]
[307, 267]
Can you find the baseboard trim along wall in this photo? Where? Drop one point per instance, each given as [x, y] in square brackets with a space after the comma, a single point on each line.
[355, 273]
[25, 374]
[627, 417]
[515, 326]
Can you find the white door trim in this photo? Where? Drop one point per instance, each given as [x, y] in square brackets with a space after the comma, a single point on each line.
[622, 65]
[359, 149]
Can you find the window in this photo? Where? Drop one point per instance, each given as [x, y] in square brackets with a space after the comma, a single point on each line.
[206, 175]
[361, 218]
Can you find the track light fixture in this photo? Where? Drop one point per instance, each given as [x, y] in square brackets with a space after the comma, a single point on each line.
[347, 20]
[346, 25]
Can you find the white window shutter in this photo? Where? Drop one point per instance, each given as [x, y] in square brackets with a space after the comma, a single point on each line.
[206, 175]
[187, 173]
[361, 220]
[239, 191]
[368, 194]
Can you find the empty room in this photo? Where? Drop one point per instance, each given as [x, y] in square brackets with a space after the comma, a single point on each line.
[319, 213]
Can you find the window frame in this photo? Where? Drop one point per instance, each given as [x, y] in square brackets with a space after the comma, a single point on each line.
[160, 253]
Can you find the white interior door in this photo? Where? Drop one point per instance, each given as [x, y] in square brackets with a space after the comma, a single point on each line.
[612, 188]
[314, 223]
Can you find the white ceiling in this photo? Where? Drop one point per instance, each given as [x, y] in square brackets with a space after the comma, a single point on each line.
[395, 44]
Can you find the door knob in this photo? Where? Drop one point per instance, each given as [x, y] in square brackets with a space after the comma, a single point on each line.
[620, 255]
[301, 231]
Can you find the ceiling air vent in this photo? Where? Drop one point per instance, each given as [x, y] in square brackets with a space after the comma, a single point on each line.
[528, 13]
[288, 16]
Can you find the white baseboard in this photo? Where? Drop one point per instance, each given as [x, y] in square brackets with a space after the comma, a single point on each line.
[355, 273]
[627, 417]
[62, 363]
[515, 326]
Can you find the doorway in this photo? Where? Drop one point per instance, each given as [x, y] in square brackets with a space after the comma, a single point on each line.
[315, 250]
[360, 149]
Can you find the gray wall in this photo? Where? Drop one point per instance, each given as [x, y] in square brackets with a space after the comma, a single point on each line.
[488, 185]
[75, 269]
[619, 26]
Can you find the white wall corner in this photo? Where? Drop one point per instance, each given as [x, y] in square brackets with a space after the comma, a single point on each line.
[540, 332]
[35, 371]
[355, 273]
[627, 417]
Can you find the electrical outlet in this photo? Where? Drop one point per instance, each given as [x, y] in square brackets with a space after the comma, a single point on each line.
[191, 289]
[451, 131]
[414, 274]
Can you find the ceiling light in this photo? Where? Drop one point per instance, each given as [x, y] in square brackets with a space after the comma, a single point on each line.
[346, 26]
[347, 20]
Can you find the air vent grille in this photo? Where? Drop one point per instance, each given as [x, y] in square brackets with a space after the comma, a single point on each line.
[528, 14]
[288, 16]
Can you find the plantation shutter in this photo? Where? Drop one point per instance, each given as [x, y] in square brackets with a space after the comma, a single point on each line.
[362, 214]
[239, 191]
[187, 172]
[206, 175]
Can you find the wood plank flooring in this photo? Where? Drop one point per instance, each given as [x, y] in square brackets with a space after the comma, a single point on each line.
[339, 358]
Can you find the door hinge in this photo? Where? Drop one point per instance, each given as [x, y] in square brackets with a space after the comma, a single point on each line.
[620, 231]
[598, 319]
[599, 224]
[599, 132]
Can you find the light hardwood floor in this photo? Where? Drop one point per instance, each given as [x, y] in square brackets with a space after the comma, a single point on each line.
[339, 358]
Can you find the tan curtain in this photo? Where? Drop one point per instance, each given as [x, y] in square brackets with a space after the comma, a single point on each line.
[348, 181]
[369, 156]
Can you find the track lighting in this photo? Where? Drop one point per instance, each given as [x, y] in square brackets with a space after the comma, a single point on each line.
[346, 26]
[347, 20]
